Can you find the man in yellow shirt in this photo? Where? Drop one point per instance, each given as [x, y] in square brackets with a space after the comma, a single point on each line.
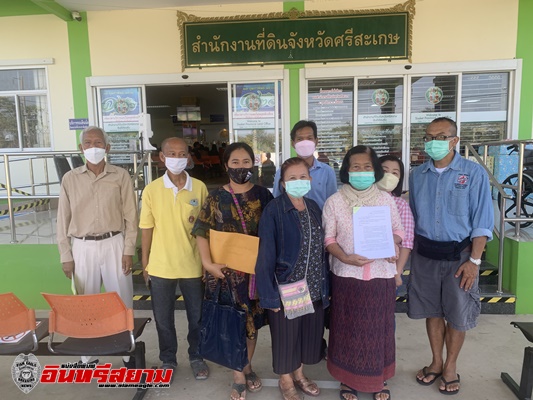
[170, 206]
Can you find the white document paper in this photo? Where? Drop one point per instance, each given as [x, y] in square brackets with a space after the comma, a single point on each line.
[372, 232]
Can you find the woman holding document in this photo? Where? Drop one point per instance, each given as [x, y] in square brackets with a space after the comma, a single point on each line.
[292, 279]
[235, 207]
[361, 352]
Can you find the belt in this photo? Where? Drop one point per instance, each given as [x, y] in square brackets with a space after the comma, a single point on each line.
[103, 236]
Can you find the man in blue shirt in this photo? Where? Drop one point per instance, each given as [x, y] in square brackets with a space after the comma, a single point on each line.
[304, 139]
[451, 202]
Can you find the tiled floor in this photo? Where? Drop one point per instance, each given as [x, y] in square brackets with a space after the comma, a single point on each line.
[494, 346]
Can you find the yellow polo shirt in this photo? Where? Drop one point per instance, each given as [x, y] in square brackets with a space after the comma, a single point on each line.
[172, 214]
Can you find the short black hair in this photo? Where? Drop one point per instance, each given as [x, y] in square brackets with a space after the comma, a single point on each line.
[235, 146]
[398, 189]
[303, 124]
[445, 119]
[378, 169]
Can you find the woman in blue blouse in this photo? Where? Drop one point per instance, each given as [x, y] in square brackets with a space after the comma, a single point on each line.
[291, 249]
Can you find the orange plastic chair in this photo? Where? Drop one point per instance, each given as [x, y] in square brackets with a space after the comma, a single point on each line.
[15, 320]
[96, 324]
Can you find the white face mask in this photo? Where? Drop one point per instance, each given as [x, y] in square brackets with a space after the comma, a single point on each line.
[388, 183]
[176, 165]
[94, 155]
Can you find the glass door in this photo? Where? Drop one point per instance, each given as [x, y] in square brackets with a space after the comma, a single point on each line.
[255, 118]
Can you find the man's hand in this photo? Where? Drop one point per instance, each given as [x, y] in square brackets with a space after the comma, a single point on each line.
[469, 272]
[127, 264]
[68, 269]
[357, 260]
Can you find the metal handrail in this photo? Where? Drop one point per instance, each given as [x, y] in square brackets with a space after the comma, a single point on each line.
[469, 147]
[8, 157]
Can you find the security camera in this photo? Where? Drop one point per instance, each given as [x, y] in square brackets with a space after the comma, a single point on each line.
[408, 66]
[76, 15]
[185, 76]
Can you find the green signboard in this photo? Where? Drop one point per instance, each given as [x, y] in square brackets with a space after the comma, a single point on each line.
[286, 39]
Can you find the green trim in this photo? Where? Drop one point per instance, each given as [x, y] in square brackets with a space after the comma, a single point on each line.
[523, 51]
[80, 64]
[52, 7]
[294, 76]
[15, 8]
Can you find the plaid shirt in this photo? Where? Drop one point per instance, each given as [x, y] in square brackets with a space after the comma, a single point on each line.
[408, 222]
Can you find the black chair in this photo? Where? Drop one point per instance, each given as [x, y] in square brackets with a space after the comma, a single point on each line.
[76, 161]
[523, 392]
[62, 166]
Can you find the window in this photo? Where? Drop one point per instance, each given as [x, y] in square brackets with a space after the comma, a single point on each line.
[24, 117]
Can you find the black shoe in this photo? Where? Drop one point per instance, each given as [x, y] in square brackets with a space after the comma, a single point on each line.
[172, 367]
[130, 364]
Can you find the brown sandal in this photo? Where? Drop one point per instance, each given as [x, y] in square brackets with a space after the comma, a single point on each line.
[307, 386]
[289, 394]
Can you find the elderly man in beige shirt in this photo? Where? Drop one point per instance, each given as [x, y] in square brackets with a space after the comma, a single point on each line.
[97, 222]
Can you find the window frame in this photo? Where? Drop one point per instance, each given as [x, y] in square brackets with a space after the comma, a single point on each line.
[21, 93]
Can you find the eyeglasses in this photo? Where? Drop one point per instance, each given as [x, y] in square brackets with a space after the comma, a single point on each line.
[438, 137]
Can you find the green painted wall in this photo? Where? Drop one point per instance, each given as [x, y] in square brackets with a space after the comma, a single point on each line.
[12, 8]
[294, 77]
[524, 51]
[29, 269]
[80, 65]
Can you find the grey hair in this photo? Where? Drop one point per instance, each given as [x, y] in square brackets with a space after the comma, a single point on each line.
[94, 128]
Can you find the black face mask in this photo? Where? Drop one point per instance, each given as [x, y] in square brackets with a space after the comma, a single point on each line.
[240, 175]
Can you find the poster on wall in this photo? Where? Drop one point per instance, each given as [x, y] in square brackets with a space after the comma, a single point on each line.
[121, 110]
[254, 106]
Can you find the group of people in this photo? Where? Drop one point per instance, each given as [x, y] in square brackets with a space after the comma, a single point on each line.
[306, 266]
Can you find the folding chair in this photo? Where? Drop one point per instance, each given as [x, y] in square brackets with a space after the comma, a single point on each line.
[76, 161]
[523, 392]
[96, 324]
[62, 166]
[15, 320]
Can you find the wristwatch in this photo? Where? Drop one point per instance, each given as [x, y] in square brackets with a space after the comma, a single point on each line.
[476, 261]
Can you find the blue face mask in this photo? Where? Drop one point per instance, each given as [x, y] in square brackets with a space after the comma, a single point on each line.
[437, 149]
[298, 188]
[361, 180]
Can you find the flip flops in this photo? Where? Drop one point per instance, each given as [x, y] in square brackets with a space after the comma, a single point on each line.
[426, 374]
[446, 384]
[200, 369]
[349, 390]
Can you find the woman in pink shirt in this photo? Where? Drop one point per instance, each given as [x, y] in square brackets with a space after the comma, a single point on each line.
[361, 352]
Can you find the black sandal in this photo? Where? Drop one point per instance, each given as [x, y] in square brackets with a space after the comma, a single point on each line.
[384, 391]
[240, 388]
[347, 391]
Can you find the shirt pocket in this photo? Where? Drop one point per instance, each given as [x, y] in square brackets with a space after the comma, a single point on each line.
[458, 202]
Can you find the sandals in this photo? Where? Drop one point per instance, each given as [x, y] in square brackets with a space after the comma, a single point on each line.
[240, 388]
[426, 374]
[383, 391]
[289, 394]
[200, 369]
[253, 383]
[307, 386]
[448, 383]
[349, 390]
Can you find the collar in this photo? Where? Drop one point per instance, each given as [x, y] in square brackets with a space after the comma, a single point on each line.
[316, 164]
[287, 203]
[455, 164]
[170, 185]
[108, 168]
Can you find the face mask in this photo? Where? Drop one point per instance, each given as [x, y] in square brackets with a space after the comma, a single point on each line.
[240, 175]
[437, 149]
[361, 180]
[305, 148]
[388, 183]
[94, 155]
[176, 165]
[298, 188]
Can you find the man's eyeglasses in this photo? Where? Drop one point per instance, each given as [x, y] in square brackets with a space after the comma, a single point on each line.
[438, 137]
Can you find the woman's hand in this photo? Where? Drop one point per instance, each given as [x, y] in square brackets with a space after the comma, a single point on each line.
[274, 309]
[393, 259]
[398, 280]
[357, 260]
[215, 269]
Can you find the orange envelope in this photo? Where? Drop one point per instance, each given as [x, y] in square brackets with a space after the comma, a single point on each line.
[236, 250]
